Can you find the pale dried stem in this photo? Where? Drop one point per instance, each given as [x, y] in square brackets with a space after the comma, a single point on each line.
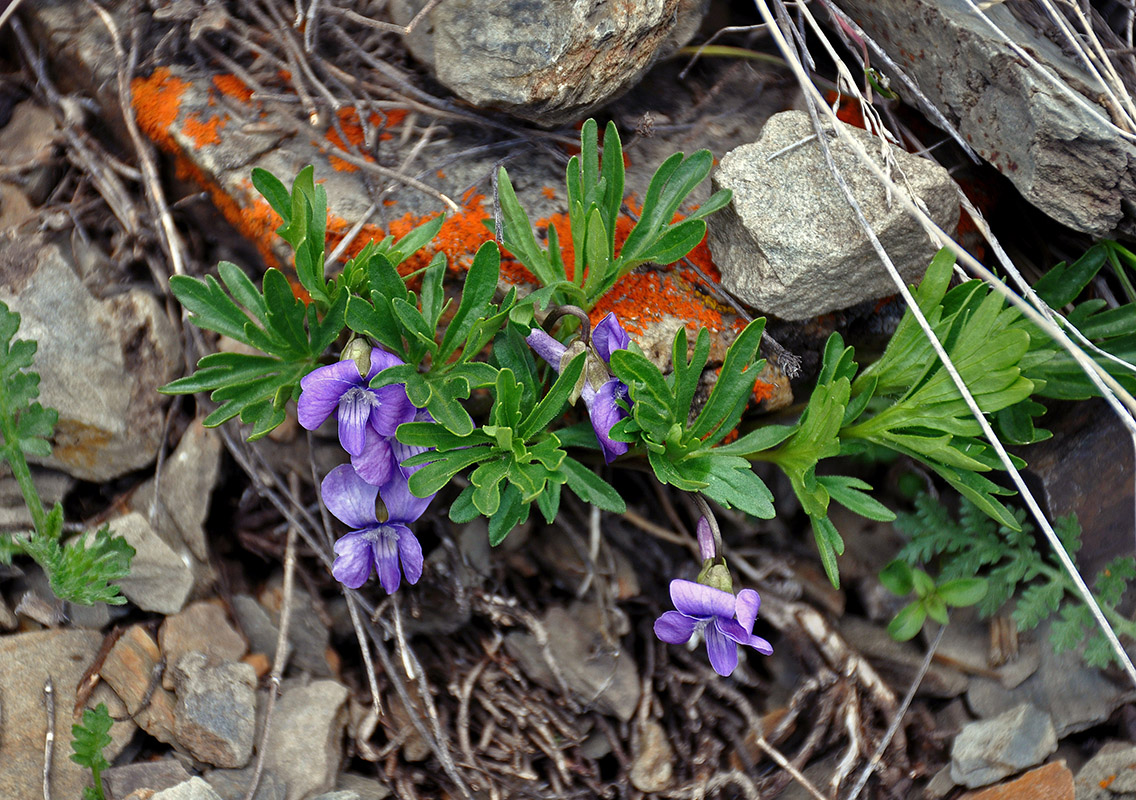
[49, 736]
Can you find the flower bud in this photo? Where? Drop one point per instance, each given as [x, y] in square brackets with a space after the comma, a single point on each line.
[706, 544]
[359, 351]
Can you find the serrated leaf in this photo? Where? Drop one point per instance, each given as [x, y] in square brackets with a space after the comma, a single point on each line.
[511, 513]
[848, 492]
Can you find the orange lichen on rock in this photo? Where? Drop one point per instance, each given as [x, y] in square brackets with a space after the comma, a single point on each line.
[352, 126]
[232, 86]
[204, 132]
[157, 101]
[548, 192]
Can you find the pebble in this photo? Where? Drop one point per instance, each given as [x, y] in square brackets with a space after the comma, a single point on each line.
[203, 627]
[652, 765]
[153, 776]
[810, 257]
[160, 580]
[131, 670]
[992, 749]
[215, 717]
[232, 784]
[305, 739]
[193, 789]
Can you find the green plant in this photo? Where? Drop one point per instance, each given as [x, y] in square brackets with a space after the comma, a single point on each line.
[88, 740]
[595, 196]
[1013, 565]
[931, 598]
[83, 569]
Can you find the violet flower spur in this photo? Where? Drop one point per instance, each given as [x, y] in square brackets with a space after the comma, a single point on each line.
[382, 456]
[374, 545]
[601, 397]
[340, 388]
[703, 609]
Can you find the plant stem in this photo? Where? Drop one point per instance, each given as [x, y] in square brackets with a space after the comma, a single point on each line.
[15, 457]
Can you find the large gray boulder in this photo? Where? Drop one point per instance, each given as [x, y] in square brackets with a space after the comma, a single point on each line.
[790, 245]
[547, 61]
[1066, 160]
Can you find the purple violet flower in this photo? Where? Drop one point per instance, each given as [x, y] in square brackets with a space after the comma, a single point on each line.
[374, 545]
[602, 400]
[341, 389]
[382, 456]
[703, 609]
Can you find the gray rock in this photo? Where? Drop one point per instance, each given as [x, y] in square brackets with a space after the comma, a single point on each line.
[966, 642]
[549, 62]
[1072, 165]
[338, 794]
[1077, 697]
[26, 661]
[155, 776]
[232, 784]
[187, 480]
[308, 638]
[201, 627]
[592, 668]
[987, 751]
[8, 620]
[1109, 775]
[652, 765]
[215, 717]
[160, 580]
[193, 789]
[790, 245]
[100, 361]
[366, 788]
[305, 741]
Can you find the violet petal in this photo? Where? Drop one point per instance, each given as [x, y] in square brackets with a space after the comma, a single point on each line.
[386, 559]
[350, 498]
[354, 410]
[546, 347]
[410, 553]
[748, 603]
[392, 408]
[321, 389]
[696, 600]
[604, 413]
[402, 506]
[609, 336]
[722, 651]
[675, 628]
[376, 463]
[353, 560]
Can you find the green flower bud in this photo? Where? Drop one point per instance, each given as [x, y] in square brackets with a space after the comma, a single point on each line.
[359, 351]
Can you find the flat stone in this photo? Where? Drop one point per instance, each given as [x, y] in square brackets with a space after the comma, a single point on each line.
[187, 480]
[1057, 147]
[8, 620]
[366, 788]
[202, 627]
[549, 62]
[193, 789]
[131, 670]
[652, 760]
[1051, 782]
[598, 673]
[26, 661]
[790, 245]
[966, 642]
[100, 361]
[1076, 696]
[215, 717]
[992, 749]
[305, 741]
[153, 776]
[232, 784]
[160, 580]
[1109, 775]
[308, 637]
